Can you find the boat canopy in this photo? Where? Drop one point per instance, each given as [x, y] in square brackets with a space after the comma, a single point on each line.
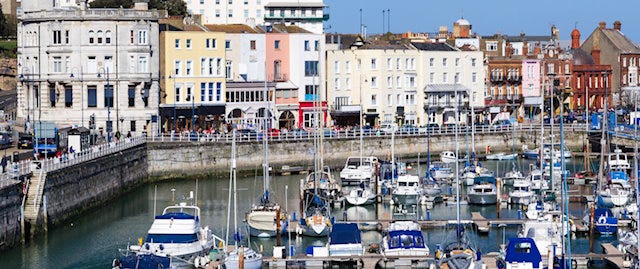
[345, 233]
[406, 239]
[523, 250]
[484, 179]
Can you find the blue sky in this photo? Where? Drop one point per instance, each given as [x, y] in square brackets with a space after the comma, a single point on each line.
[487, 16]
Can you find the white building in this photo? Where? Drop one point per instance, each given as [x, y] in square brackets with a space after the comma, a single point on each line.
[402, 83]
[307, 14]
[76, 62]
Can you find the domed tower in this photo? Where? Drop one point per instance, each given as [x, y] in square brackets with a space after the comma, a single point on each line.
[461, 28]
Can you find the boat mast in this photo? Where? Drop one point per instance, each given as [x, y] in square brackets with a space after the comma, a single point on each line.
[231, 175]
[603, 142]
[565, 200]
[265, 143]
[457, 171]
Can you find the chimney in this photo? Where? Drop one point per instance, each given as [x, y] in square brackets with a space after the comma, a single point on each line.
[536, 49]
[602, 25]
[575, 39]
[595, 54]
[141, 5]
[525, 48]
[617, 25]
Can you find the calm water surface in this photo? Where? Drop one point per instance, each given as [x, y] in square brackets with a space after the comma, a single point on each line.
[93, 239]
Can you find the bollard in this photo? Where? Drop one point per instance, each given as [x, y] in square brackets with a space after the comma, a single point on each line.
[428, 214]
[519, 214]
[295, 218]
[450, 190]
[292, 250]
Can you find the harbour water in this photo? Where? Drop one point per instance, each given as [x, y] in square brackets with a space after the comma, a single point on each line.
[92, 240]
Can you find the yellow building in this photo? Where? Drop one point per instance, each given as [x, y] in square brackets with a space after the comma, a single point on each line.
[192, 72]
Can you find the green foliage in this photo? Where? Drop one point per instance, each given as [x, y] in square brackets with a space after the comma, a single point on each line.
[173, 7]
[8, 48]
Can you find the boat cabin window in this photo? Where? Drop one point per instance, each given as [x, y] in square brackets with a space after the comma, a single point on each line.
[395, 242]
[524, 247]
[407, 240]
[402, 184]
[172, 238]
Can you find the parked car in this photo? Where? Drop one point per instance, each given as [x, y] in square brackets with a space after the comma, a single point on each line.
[408, 129]
[299, 133]
[388, 128]
[25, 141]
[247, 133]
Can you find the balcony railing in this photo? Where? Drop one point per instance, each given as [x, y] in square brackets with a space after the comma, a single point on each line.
[91, 14]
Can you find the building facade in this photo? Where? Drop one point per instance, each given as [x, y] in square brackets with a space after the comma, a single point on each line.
[78, 63]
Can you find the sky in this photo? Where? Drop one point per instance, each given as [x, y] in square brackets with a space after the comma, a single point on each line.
[487, 17]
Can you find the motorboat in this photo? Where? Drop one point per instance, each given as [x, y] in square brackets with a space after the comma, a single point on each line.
[359, 169]
[521, 252]
[449, 157]
[404, 238]
[618, 161]
[251, 259]
[614, 194]
[502, 156]
[175, 240]
[605, 222]
[483, 191]
[538, 209]
[441, 171]
[521, 193]
[345, 240]
[546, 232]
[532, 154]
[511, 176]
[470, 172]
[538, 182]
[362, 195]
[431, 190]
[407, 190]
[459, 255]
[548, 153]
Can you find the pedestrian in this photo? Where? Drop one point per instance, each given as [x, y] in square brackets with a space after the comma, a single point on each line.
[4, 163]
[71, 150]
[129, 134]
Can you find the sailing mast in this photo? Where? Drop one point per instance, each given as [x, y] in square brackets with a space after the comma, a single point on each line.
[457, 171]
[265, 143]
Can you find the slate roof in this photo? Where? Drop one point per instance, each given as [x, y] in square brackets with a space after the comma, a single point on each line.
[433, 46]
[346, 40]
[620, 41]
[231, 28]
[385, 45]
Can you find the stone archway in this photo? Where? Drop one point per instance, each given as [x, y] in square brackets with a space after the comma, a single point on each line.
[287, 120]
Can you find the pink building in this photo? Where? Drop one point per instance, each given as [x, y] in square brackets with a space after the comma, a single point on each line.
[278, 61]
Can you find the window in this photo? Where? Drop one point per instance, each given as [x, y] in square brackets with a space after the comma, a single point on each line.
[336, 84]
[457, 61]
[227, 44]
[68, 96]
[131, 37]
[227, 68]
[230, 14]
[131, 95]
[107, 37]
[389, 100]
[347, 83]
[108, 95]
[188, 44]
[389, 64]
[246, 2]
[66, 36]
[218, 91]
[177, 66]
[374, 100]
[92, 96]
[374, 64]
[310, 68]
[202, 2]
[189, 68]
[246, 13]
[456, 78]
[374, 82]
[57, 37]
[217, 2]
[133, 126]
[214, 43]
[316, 45]
[306, 45]
[347, 67]
[259, 13]
[398, 82]
[217, 13]
[177, 46]
[411, 81]
[177, 88]
[132, 64]
[207, 43]
[336, 67]
[276, 44]
[444, 61]
[389, 82]
[432, 77]
[203, 90]
[473, 62]
[57, 64]
[203, 69]
[142, 37]
[67, 64]
[91, 65]
[473, 77]
[492, 45]
[444, 77]
[142, 64]
[431, 60]
[252, 45]
[100, 35]
[91, 37]
[230, 2]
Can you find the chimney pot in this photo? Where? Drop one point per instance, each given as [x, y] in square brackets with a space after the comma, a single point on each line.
[617, 25]
[602, 25]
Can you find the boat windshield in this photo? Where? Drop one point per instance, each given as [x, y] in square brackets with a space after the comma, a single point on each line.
[172, 238]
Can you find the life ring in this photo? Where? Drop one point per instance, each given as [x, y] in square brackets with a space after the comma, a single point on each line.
[602, 219]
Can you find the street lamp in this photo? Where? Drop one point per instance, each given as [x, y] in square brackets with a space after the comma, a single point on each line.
[81, 92]
[108, 94]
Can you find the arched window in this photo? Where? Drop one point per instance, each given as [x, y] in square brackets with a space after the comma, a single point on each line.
[91, 36]
[107, 37]
[100, 36]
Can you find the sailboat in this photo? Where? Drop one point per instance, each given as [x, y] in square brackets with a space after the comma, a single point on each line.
[266, 219]
[458, 254]
[240, 254]
[366, 168]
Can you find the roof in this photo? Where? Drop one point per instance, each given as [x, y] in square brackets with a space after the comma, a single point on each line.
[346, 40]
[231, 28]
[385, 45]
[581, 57]
[345, 233]
[178, 24]
[433, 88]
[620, 41]
[529, 38]
[282, 28]
[433, 46]
[462, 21]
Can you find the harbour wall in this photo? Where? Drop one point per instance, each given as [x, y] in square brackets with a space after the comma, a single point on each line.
[10, 206]
[79, 187]
[186, 159]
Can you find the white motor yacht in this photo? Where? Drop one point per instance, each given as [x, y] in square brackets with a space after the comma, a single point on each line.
[521, 193]
[358, 169]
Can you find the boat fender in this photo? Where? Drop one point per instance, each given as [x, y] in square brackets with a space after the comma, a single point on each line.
[602, 219]
[115, 263]
[438, 254]
[196, 262]
[146, 246]
[139, 241]
[574, 263]
[161, 247]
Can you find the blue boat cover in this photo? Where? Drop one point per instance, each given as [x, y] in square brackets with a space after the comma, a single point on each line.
[523, 250]
[144, 261]
[406, 239]
[176, 215]
[618, 175]
[602, 212]
[345, 233]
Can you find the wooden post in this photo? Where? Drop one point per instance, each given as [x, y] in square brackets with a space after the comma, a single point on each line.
[241, 258]
[591, 228]
[278, 239]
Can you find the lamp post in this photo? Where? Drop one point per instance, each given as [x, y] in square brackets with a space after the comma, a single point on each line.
[108, 95]
[81, 92]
